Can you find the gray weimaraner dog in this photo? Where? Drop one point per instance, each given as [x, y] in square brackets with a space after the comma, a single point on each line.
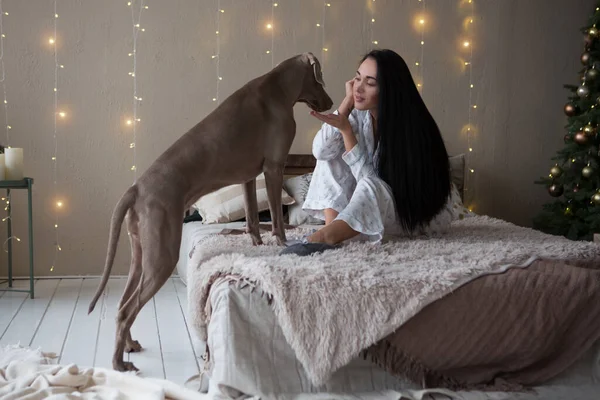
[249, 133]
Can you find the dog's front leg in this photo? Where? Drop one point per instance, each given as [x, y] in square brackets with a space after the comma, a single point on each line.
[274, 179]
[251, 207]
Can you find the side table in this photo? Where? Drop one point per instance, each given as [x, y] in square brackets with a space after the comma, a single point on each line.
[25, 183]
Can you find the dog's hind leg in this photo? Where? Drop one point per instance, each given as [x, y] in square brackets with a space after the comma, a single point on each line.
[135, 271]
[160, 237]
[274, 179]
[251, 206]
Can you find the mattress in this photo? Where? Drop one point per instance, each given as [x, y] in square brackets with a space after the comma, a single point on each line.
[249, 356]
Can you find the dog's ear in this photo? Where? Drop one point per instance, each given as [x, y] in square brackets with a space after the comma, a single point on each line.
[312, 60]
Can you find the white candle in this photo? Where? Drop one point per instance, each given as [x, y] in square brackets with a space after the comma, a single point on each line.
[14, 163]
[2, 168]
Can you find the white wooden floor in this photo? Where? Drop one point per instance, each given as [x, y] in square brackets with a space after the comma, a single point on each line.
[57, 321]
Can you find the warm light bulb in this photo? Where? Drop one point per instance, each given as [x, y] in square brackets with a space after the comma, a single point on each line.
[59, 204]
[217, 32]
[375, 42]
[129, 122]
[56, 225]
[51, 40]
[325, 49]
[422, 43]
[131, 145]
[373, 20]
[318, 24]
[275, 5]
[214, 99]
[470, 149]
[474, 105]
[472, 170]
[269, 26]
[268, 51]
[472, 86]
[421, 21]
[62, 114]
[222, 11]
[328, 5]
[466, 44]
[416, 63]
[52, 268]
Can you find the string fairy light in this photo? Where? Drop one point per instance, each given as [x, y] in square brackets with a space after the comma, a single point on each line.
[58, 113]
[136, 19]
[3, 71]
[322, 26]
[421, 24]
[6, 121]
[372, 41]
[468, 45]
[271, 28]
[217, 55]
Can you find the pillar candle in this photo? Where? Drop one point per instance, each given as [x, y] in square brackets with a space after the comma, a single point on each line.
[2, 168]
[14, 163]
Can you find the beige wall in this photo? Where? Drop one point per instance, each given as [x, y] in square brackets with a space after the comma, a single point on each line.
[524, 50]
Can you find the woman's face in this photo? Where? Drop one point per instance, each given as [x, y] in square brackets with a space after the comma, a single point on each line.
[366, 88]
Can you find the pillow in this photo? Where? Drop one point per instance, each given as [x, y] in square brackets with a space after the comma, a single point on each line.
[227, 204]
[298, 187]
[456, 206]
[457, 172]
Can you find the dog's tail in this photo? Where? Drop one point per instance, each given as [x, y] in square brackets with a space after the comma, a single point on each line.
[116, 221]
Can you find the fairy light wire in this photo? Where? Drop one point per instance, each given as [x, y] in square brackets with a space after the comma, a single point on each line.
[217, 56]
[3, 72]
[136, 19]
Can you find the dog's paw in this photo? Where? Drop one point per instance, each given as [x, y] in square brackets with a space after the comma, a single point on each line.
[256, 240]
[133, 347]
[124, 366]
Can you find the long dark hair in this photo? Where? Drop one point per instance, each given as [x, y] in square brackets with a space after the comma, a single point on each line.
[413, 159]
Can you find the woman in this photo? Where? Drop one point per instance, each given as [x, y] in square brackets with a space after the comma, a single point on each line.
[382, 166]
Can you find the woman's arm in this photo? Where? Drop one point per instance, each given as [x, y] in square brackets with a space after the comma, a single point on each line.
[329, 142]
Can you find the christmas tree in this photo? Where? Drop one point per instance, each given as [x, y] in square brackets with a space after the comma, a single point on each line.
[574, 179]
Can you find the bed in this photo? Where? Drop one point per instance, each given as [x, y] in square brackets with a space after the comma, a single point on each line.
[255, 319]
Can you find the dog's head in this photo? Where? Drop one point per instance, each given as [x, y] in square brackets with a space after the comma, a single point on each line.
[313, 87]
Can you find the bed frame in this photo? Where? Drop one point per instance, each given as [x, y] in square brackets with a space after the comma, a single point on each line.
[299, 164]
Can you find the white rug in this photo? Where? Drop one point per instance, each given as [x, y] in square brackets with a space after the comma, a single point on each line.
[30, 374]
[333, 305]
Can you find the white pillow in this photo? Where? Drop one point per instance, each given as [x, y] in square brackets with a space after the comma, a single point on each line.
[298, 188]
[227, 204]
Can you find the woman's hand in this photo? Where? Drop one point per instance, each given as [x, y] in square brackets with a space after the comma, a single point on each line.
[339, 121]
[350, 90]
[348, 103]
